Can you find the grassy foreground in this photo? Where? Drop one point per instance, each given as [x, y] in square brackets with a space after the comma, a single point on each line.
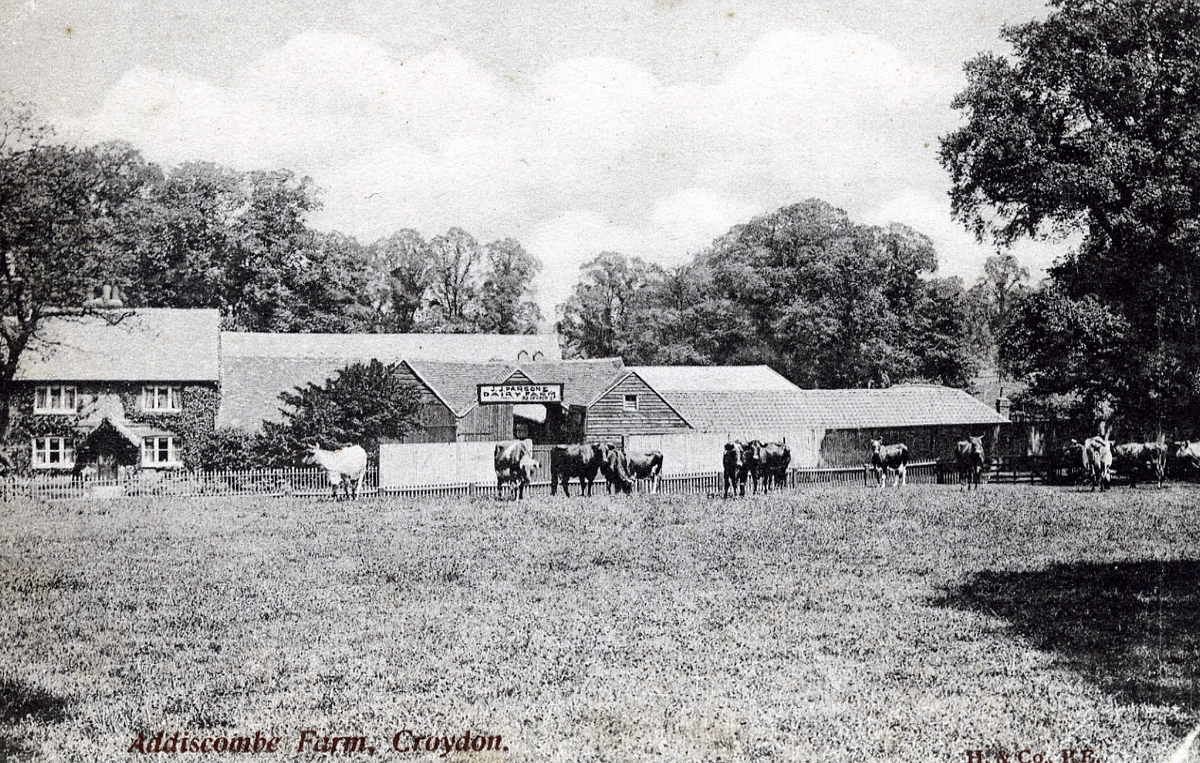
[837, 625]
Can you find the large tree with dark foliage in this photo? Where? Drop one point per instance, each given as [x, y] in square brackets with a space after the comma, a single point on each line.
[60, 210]
[359, 405]
[828, 302]
[1092, 124]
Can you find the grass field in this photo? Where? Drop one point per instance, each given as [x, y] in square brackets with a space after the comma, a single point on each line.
[836, 625]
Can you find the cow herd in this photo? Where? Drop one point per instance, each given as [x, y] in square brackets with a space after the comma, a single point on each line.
[515, 467]
[755, 461]
[767, 463]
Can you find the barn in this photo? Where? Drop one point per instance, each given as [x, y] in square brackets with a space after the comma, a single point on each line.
[603, 401]
[824, 428]
[256, 367]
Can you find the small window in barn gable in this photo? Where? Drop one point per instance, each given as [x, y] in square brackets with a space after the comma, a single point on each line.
[156, 398]
[54, 398]
[631, 402]
[53, 453]
[160, 451]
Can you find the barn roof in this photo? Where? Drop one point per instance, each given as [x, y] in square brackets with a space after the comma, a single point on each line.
[714, 378]
[583, 380]
[782, 411]
[392, 348]
[142, 344]
[455, 383]
[250, 386]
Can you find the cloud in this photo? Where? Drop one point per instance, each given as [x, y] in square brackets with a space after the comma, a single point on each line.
[586, 154]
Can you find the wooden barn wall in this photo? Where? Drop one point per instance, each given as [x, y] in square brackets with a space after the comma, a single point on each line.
[486, 423]
[852, 447]
[437, 422]
[608, 421]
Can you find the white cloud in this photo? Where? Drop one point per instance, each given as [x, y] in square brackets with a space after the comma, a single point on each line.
[587, 154]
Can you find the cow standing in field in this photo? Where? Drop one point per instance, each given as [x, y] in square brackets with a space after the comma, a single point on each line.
[734, 462]
[515, 467]
[968, 456]
[645, 466]
[1133, 458]
[889, 459]
[613, 467]
[579, 461]
[1187, 457]
[1097, 462]
[774, 458]
[345, 467]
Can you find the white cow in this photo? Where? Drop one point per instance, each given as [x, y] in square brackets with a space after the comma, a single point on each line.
[349, 463]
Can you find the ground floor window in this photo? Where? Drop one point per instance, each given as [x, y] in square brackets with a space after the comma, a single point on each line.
[159, 451]
[53, 453]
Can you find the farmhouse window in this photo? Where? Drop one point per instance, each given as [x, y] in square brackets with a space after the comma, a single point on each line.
[54, 398]
[631, 402]
[160, 398]
[53, 453]
[159, 451]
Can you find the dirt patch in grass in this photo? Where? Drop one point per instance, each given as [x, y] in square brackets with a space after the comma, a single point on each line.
[1131, 627]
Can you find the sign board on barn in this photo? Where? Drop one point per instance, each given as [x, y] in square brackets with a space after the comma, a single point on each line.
[520, 393]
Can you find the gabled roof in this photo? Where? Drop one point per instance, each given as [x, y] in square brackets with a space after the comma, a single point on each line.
[455, 383]
[132, 344]
[583, 380]
[392, 348]
[713, 378]
[781, 411]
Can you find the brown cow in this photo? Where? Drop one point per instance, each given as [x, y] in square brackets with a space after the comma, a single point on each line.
[645, 466]
[774, 458]
[968, 455]
[889, 459]
[734, 462]
[579, 461]
[613, 467]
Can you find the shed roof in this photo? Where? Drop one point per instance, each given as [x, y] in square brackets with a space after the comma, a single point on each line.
[583, 380]
[250, 386]
[455, 383]
[134, 344]
[391, 348]
[781, 411]
[714, 378]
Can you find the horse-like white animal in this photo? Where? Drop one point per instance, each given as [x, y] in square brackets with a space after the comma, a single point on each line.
[344, 466]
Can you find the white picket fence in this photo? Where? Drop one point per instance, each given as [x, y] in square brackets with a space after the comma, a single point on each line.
[295, 481]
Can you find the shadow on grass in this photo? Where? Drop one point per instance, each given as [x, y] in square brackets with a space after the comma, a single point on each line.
[1132, 628]
[19, 702]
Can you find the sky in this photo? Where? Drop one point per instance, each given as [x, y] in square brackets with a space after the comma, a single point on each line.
[647, 127]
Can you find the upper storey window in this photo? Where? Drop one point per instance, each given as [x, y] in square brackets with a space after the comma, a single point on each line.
[54, 398]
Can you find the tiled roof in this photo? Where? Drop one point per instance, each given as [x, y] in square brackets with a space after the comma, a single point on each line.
[145, 344]
[250, 386]
[392, 348]
[583, 380]
[894, 407]
[713, 378]
[455, 383]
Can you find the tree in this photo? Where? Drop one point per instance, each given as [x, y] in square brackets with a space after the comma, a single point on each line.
[360, 405]
[504, 305]
[60, 208]
[1093, 125]
[606, 316]
[402, 264]
[455, 259]
[827, 302]
[990, 302]
[208, 236]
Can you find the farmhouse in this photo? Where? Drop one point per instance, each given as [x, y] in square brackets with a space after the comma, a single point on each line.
[122, 389]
